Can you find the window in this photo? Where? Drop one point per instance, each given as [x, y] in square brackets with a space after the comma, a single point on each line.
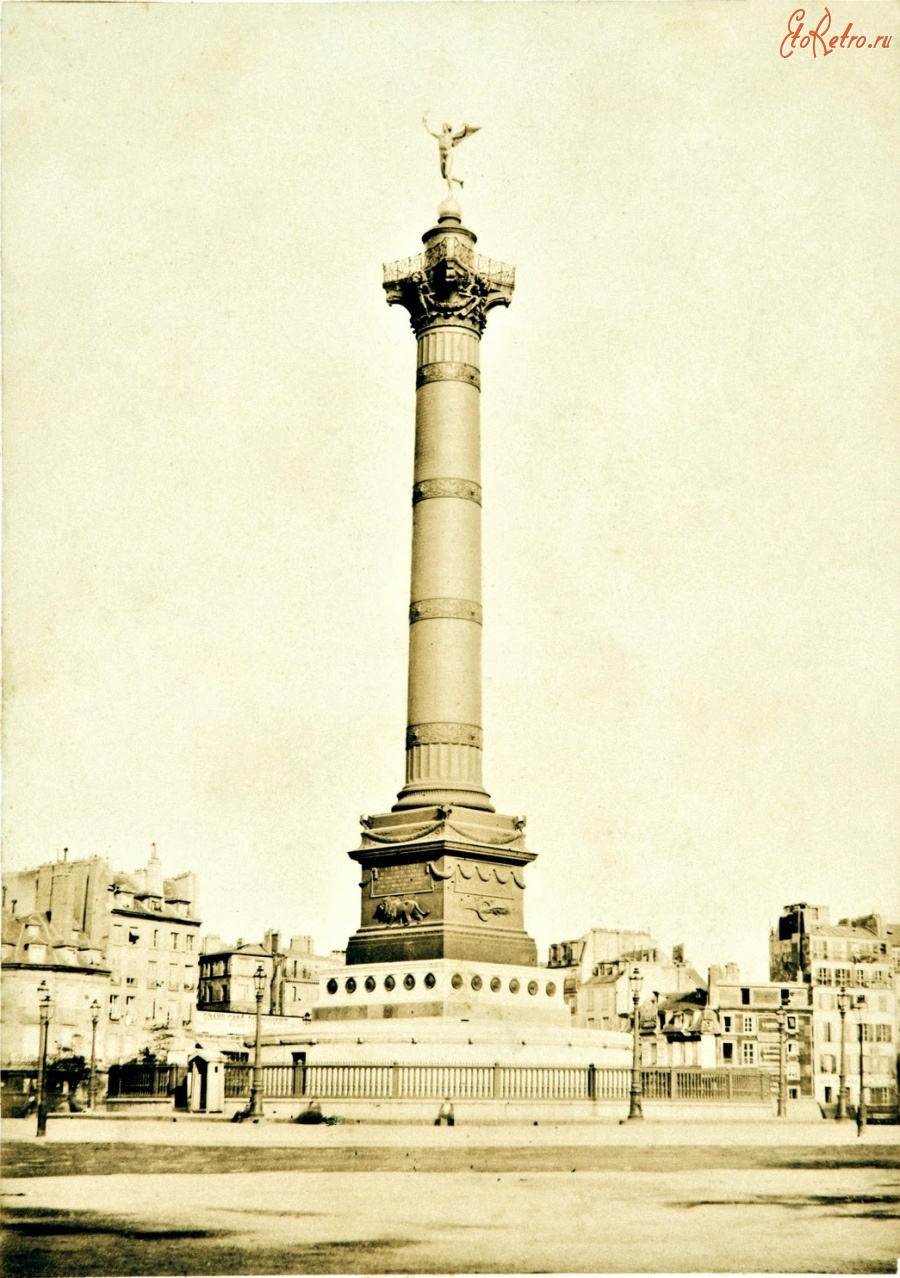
[131, 980]
[118, 933]
[748, 1053]
[133, 937]
[151, 976]
[174, 937]
[827, 1095]
[792, 1023]
[826, 1031]
[791, 1048]
[189, 977]
[793, 1093]
[827, 1063]
[748, 1024]
[113, 1007]
[824, 976]
[876, 1033]
[843, 975]
[173, 976]
[726, 1024]
[745, 997]
[189, 941]
[156, 938]
[728, 1053]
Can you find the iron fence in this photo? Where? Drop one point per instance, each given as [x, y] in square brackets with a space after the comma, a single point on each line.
[144, 1080]
[495, 1082]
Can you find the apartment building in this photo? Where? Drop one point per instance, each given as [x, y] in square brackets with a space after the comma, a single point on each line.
[143, 930]
[849, 968]
[750, 1030]
[596, 967]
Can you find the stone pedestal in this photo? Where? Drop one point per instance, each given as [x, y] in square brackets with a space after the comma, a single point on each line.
[442, 883]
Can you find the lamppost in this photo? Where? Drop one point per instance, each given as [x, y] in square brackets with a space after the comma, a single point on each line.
[255, 1108]
[861, 1115]
[44, 1008]
[92, 1084]
[781, 1015]
[634, 1109]
[843, 1003]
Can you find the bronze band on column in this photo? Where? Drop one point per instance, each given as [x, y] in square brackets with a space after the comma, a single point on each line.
[453, 609]
[448, 371]
[444, 734]
[465, 488]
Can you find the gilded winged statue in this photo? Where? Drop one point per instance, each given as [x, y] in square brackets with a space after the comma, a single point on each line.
[448, 139]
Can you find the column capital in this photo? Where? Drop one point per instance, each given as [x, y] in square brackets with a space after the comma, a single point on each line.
[448, 283]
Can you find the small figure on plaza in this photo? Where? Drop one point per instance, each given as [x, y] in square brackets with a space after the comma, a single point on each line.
[447, 140]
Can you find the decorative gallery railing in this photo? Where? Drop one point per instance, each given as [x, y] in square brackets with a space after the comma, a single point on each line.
[495, 1082]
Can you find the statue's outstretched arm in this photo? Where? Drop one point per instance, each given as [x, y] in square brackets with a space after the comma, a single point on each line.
[465, 131]
[427, 129]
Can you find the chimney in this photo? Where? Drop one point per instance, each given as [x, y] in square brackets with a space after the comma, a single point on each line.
[154, 874]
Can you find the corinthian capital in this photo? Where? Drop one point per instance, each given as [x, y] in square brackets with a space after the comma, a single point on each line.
[449, 283]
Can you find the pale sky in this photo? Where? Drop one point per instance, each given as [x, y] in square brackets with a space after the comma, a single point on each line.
[691, 459]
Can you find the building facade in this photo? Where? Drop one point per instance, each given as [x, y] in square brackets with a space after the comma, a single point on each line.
[749, 1028]
[226, 981]
[851, 962]
[76, 978]
[596, 967]
[139, 928]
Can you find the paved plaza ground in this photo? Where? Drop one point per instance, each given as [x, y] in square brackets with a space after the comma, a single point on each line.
[117, 1197]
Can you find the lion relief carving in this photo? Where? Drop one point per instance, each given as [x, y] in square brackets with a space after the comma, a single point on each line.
[394, 910]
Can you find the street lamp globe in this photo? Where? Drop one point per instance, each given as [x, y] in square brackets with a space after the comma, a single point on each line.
[635, 981]
[259, 980]
[95, 1012]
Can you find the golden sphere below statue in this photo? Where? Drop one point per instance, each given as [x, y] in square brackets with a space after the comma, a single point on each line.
[450, 208]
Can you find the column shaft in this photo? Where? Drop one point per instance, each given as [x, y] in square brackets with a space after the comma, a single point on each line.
[444, 737]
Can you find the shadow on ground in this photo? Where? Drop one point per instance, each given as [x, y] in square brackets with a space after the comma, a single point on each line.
[44, 1243]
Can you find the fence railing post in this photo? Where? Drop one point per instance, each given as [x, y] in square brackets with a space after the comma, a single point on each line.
[592, 1082]
[496, 1090]
[395, 1079]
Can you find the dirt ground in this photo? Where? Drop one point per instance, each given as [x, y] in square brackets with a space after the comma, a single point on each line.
[453, 1202]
